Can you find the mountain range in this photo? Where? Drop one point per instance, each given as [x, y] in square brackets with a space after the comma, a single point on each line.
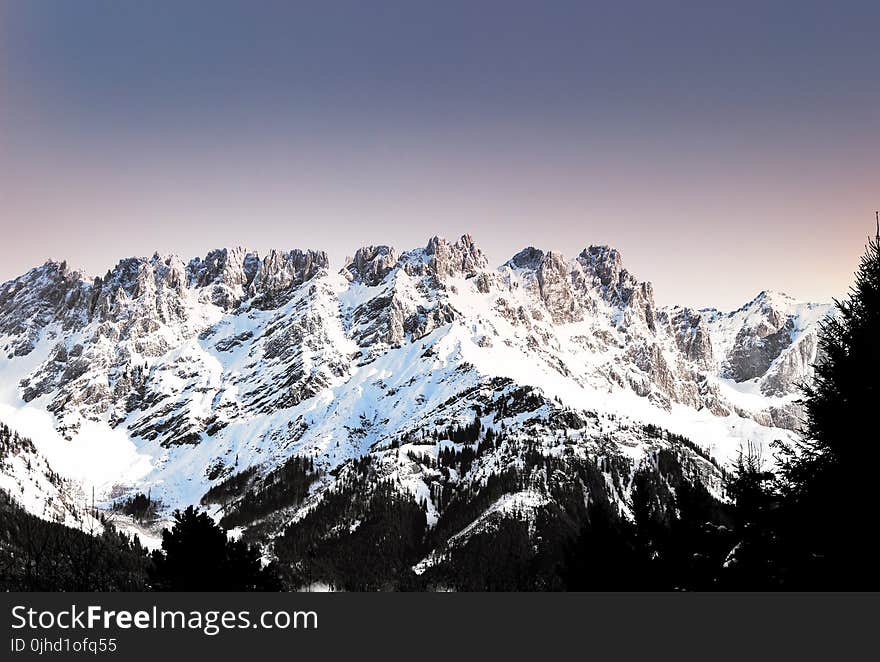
[310, 410]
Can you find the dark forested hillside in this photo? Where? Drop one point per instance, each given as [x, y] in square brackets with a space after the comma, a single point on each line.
[365, 534]
[39, 555]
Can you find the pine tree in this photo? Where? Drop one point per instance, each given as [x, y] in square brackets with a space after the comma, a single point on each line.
[827, 478]
[752, 562]
[197, 556]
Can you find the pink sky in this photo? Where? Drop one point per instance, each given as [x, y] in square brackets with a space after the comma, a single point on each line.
[721, 157]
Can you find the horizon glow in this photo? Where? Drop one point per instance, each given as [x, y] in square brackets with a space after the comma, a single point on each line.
[722, 150]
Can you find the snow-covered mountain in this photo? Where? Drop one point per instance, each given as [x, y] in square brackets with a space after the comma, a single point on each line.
[182, 377]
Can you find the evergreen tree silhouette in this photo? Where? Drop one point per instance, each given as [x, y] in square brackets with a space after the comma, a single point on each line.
[197, 556]
[604, 556]
[827, 478]
[752, 564]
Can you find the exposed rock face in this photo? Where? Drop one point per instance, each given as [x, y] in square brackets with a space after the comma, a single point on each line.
[227, 272]
[279, 273]
[409, 302]
[548, 277]
[678, 353]
[791, 367]
[755, 349]
[462, 258]
[141, 310]
[528, 258]
[771, 340]
[607, 266]
[618, 286]
[570, 289]
[46, 294]
[692, 335]
[204, 353]
[235, 274]
[370, 265]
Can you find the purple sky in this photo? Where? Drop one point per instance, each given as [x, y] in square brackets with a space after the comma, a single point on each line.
[723, 150]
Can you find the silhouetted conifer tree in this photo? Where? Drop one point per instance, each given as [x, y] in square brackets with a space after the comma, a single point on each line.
[604, 556]
[752, 564]
[827, 478]
[197, 556]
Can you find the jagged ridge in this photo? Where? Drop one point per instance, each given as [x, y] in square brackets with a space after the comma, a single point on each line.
[239, 360]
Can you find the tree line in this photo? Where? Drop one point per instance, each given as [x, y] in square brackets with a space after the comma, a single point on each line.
[196, 555]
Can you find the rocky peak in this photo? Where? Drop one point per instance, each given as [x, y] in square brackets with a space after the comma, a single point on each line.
[618, 286]
[50, 283]
[545, 265]
[369, 265]
[51, 292]
[232, 267]
[772, 306]
[455, 259]
[548, 276]
[570, 288]
[170, 271]
[237, 273]
[280, 271]
[766, 328]
[528, 258]
[605, 262]
[138, 276]
[553, 277]
[128, 275]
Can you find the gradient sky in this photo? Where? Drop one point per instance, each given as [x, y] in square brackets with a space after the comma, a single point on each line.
[723, 150]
